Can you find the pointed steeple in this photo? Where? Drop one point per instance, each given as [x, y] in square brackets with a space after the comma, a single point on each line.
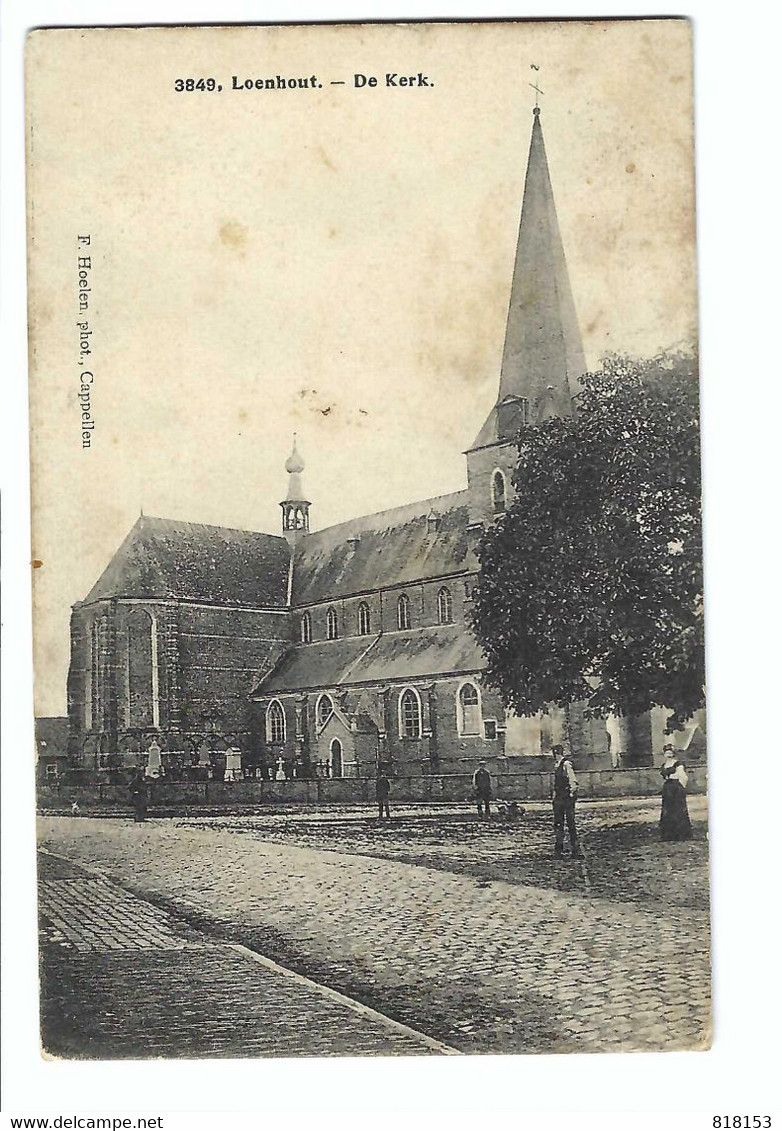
[543, 357]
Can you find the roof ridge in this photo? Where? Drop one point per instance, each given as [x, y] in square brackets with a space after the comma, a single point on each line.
[402, 508]
[170, 558]
[148, 518]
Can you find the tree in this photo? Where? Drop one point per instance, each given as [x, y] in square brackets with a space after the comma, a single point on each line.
[590, 587]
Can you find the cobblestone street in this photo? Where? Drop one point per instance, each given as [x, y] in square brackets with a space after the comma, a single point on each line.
[121, 978]
[469, 933]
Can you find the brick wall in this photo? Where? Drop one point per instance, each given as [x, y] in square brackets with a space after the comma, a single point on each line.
[643, 782]
[205, 659]
[441, 747]
[481, 465]
[222, 653]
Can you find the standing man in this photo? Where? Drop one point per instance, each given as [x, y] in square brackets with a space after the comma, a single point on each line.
[565, 796]
[481, 782]
[382, 791]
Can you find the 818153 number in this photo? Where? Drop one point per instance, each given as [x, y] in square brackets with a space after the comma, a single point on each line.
[741, 1121]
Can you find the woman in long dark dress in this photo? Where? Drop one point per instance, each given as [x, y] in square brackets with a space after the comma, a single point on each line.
[138, 797]
[674, 815]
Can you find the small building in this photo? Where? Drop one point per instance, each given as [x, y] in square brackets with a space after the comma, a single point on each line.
[51, 748]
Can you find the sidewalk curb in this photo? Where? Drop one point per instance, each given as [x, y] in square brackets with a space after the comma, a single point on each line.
[351, 1003]
[301, 979]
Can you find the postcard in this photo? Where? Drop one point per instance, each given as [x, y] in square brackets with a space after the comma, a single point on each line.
[368, 602]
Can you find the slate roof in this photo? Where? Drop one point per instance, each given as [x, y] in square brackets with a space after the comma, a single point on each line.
[489, 434]
[420, 652]
[416, 654]
[392, 547]
[187, 560]
[318, 665]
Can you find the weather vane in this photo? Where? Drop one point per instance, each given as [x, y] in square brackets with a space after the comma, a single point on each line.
[534, 85]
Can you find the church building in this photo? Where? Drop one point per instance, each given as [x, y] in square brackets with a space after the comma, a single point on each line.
[333, 652]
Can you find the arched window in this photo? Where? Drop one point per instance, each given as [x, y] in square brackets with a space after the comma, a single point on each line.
[332, 630]
[444, 606]
[335, 752]
[363, 619]
[324, 709]
[403, 611]
[306, 629]
[498, 492]
[469, 709]
[409, 714]
[143, 675]
[275, 724]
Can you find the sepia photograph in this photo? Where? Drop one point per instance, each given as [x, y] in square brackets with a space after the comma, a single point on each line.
[368, 607]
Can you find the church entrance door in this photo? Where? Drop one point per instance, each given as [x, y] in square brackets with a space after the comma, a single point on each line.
[335, 751]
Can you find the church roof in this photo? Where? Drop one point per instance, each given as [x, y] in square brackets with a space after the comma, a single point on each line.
[393, 547]
[489, 434]
[191, 561]
[543, 358]
[418, 653]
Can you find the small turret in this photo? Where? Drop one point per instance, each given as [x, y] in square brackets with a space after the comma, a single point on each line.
[295, 507]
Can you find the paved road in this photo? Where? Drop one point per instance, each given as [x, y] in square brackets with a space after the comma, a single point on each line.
[626, 861]
[122, 979]
[483, 966]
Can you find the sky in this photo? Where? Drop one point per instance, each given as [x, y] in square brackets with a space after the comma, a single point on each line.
[334, 262]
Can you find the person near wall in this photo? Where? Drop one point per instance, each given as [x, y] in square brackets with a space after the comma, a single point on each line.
[481, 783]
[674, 815]
[565, 797]
[382, 792]
[139, 797]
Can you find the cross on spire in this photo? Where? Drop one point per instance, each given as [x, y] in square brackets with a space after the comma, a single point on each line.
[534, 85]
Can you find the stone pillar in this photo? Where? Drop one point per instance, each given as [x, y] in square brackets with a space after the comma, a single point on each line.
[387, 734]
[641, 739]
[382, 748]
[77, 688]
[171, 697]
[588, 738]
[659, 721]
[631, 739]
[431, 712]
[110, 674]
[302, 744]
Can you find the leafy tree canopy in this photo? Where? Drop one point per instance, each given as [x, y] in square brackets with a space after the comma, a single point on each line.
[590, 588]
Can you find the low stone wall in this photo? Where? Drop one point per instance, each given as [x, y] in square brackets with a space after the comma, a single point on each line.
[642, 782]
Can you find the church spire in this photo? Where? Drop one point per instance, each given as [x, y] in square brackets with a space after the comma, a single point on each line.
[543, 358]
[295, 506]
